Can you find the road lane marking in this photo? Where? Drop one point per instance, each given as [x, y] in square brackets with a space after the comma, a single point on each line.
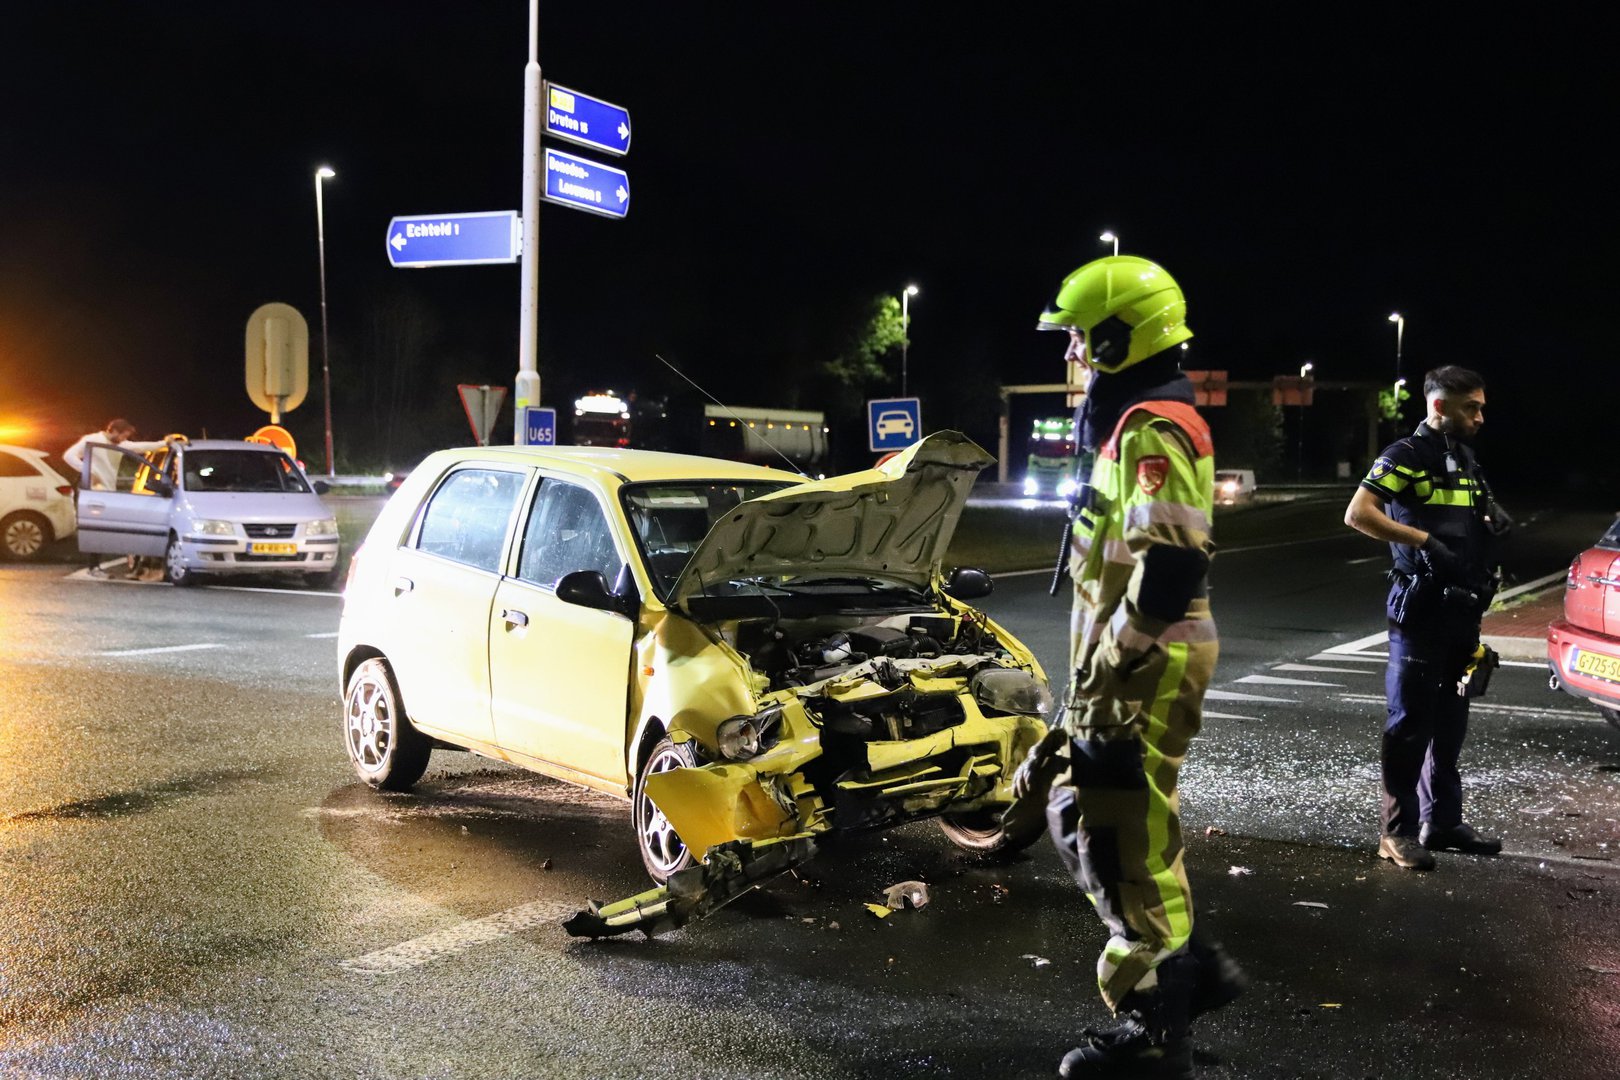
[1508, 594]
[1273, 680]
[1313, 667]
[1374, 658]
[1233, 695]
[278, 592]
[332, 634]
[459, 938]
[1506, 710]
[1369, 558]
[160, 649]
[1282, 544]
[1360, 644]
[1226, 716]
[1539, 665]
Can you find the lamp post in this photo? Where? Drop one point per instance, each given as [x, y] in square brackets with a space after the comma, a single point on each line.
[1110, 238]
[1400, 331]
[905, 331]
[324, 173]
[1305, 370]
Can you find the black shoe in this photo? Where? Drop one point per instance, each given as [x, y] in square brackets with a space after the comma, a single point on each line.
[1217, 980]
[1128, 1049]
[1461, 838]
[1405, 851]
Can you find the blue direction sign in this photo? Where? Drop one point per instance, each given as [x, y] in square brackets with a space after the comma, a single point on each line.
[587, 120]
[893, 423]
[539, 426]
[493, 236]
[586, 185]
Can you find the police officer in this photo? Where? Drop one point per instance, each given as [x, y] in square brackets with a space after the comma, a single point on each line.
[1143, 649]
[1427, 497]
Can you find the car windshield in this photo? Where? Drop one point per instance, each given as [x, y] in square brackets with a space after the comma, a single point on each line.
[242, 470]
[671, 519]
[1611, 539]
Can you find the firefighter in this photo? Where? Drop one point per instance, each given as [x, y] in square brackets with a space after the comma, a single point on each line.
[1142, 651]
[1426, 496]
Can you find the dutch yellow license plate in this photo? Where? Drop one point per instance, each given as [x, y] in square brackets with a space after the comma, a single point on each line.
[272, 549]
[1598, 665]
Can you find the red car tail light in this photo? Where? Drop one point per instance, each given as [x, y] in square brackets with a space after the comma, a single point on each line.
[1573, 578]
[65, 490]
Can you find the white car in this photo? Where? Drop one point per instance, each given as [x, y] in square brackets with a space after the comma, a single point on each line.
[1234, 486]
[212, 507]
[895, 422]
[36, 503]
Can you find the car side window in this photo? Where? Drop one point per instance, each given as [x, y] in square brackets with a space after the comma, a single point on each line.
[567, 531]
[466, 518]
[11, 466]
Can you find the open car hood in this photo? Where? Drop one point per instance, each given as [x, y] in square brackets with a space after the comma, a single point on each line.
[893, 522]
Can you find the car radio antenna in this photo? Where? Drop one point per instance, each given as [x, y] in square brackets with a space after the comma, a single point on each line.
[735, 417]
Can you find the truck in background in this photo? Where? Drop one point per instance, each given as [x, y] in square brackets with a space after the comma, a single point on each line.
[1050, 472]
[749, 433]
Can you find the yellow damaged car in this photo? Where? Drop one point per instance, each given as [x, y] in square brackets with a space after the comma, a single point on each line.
[752, 659]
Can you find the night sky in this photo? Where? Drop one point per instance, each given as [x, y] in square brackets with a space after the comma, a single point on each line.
[1302, 176]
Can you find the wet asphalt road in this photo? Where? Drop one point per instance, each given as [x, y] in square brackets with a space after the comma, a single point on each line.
[191, 884]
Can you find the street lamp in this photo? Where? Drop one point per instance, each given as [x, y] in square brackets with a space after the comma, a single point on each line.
[1400, 331]
[905, 331]
[1306, 369]
[324, 173]
[1110, 238]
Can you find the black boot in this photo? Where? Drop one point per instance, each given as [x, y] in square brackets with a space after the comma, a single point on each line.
[1150, 1039]
[1218, 980]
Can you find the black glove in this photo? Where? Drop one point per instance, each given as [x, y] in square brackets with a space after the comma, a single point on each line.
[1444, 563]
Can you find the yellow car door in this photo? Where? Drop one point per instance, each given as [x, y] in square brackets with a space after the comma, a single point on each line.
[559, 671]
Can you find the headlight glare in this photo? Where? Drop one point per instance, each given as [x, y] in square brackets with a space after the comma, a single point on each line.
[1008, 690]
[1032, 486]
[207, 527]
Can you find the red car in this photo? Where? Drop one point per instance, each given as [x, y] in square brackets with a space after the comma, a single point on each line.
[1583, 647]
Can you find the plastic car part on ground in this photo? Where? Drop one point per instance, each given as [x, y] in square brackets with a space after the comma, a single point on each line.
[729, 871]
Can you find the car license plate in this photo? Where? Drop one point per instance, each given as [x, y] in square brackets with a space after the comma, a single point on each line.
[1598, 665]
[272, 549]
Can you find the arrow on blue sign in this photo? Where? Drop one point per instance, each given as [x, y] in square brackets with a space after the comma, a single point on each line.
[586, 185]
[492, 236]
[587, 120]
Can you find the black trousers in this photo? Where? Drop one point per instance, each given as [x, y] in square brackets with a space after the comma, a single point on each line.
[1427, 723]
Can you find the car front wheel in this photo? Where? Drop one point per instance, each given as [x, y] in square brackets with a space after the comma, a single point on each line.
[24, 535]
[981, 832]
[662, 851]
[175, 570]
[1611, 715]
[385, 750]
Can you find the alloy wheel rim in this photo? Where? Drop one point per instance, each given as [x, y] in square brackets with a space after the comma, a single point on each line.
[369, 721]
[24, 538]
[177, 567]
[658, 837]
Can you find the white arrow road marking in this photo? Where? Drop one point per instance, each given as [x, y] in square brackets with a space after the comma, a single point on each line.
[459, 938]
[160, 649]
[1233, 695]
[1226, 716]
[1361, 644]
[1271, 680]
[621, 193]
[398, 241]
[1311, 667]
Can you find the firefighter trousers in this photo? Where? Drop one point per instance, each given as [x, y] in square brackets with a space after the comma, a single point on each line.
[1115, 815]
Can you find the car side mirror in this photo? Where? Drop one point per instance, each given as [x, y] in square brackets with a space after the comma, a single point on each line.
[588, 588]
[321, 487]
[159, 486]
[968, 583]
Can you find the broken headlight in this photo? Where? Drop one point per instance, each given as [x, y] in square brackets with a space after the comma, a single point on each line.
[1007, 690]
[743, 737]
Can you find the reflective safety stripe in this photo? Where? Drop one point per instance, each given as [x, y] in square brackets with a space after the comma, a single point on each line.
[1142, 515]
[1450, 497]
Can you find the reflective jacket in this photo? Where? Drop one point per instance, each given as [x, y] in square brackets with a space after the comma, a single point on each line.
[1153, 484]
[1431, 482]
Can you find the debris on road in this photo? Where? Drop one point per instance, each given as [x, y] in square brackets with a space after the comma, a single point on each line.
[909, 895]
[545, 864]
[1035, 961]
[1214, 830]
[879, 911]
[1310, 904]
[1240, 871]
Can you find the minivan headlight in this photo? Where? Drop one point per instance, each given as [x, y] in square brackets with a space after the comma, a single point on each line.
[207, 527]
[324, 527]
[1008, 690]
[743, 737]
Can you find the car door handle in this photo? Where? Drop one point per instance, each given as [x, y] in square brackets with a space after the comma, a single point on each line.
[403, 585]
[1600, 580]
[514, 617]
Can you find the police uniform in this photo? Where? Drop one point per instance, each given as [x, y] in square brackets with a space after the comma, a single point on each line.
[1432, 483]
[1141, 662]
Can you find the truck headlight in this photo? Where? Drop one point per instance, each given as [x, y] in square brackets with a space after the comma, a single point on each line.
[325, 527]
[1008, 690]
[1032, 486]
[207, 527]
[1066, 487]
[743, 737]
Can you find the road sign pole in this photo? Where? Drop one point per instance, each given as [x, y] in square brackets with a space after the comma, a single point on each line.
[528, 376]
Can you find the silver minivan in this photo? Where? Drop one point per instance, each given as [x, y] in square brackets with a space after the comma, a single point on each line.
[211, 507]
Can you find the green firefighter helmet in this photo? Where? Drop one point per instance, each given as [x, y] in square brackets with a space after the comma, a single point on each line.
[1127, 308]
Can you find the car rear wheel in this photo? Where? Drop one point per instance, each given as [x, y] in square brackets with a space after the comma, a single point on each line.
[662, 851]
[175, 571]
[23, 535]
[981, 832]
[1611, 715]
[385, 750]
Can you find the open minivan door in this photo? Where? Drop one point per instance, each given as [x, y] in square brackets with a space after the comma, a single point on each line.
[123, 522]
